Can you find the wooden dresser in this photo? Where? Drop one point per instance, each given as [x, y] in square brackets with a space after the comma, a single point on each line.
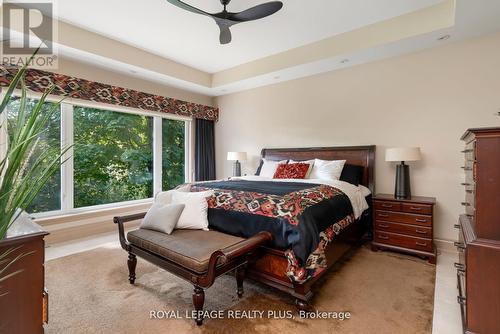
[24, 307]
[404, 225]
[478, 269]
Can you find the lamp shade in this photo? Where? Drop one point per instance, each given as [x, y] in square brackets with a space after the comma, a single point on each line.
[233, 156]
[402, 154]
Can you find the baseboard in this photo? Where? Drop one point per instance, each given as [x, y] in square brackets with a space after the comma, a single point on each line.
[447, 246]
[84, 225]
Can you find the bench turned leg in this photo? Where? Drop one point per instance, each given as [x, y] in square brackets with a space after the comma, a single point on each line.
[198, 301]
[132, 263]
[240, 276]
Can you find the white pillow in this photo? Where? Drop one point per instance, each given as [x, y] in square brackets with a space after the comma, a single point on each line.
[269, 167]
[327, 169]
[164, 197]
[310, 162]
[194, 216]
[162, 217]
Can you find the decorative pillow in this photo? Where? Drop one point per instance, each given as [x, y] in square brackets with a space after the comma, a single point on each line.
[291, 171]
[194, 216]
[310, 162]
[162, 217]
[327, 169]
[164, 197]
[269, 167]
[352, 174]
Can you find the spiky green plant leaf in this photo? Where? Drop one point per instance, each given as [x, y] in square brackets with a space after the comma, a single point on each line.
[23, 176]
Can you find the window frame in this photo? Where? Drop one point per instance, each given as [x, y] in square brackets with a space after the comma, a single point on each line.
[67, 139]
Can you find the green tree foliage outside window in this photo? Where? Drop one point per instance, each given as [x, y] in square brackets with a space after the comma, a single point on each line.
[173, 133]
[49, 198]
[113, 157]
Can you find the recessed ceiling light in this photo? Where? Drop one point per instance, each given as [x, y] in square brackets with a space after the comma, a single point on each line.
[444, 38]
[343, 61]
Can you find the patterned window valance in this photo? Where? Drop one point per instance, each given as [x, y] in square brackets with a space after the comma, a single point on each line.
[64, 85]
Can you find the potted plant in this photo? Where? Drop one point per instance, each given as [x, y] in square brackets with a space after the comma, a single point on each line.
[23, 175]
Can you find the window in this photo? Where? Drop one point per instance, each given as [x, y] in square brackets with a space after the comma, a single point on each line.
[173, 153]
[113, 156]
[49, 198]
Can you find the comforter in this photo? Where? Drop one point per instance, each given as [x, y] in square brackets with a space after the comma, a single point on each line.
[303, 217]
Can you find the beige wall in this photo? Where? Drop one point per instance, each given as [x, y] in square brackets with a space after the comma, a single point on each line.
[425, 99]
[94, 73]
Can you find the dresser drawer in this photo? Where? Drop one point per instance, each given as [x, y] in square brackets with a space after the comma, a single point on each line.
[470, 203]
[385, 205]
[469, 152]
[469, 177]
[417, 231]
[401, 217]
[403, 241]
[425, 209]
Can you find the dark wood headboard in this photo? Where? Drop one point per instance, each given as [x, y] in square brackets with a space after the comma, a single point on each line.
[354, 155]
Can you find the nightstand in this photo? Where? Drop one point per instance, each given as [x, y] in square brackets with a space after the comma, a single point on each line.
[404, 225]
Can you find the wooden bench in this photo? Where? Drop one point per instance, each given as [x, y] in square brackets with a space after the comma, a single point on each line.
[194, 255]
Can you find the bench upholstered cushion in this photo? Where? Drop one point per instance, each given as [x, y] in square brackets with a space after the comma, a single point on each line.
[188, 248]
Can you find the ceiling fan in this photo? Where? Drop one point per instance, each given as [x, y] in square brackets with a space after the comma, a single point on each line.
[227, 19]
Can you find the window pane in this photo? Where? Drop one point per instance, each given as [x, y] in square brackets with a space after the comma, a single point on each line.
[173, 153]
[49, 198]
[113, 157]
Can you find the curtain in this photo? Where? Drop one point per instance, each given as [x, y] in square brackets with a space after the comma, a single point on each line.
[204, 150]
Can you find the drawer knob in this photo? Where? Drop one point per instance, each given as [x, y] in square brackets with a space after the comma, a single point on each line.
[421, 220]
[461, 300]
[383, 215]
[384, 237]
[459, 245]
[420, 231]
[457, 226]
[465, 184]
[383, 225]
[423, 244]
[385, 205]
[465, 204]
[416, 208]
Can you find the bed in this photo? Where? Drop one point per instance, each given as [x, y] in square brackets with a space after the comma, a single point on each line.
[332, 220]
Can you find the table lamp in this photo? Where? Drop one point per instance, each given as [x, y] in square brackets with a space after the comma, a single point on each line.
[236, 157]
[402, 188]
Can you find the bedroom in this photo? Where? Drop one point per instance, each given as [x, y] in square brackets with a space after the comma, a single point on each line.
[323, 100]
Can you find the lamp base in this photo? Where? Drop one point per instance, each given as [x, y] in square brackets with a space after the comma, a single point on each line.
[236, 168]
[402, 189]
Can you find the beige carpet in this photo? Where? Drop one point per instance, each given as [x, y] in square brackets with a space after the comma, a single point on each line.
[384, 292]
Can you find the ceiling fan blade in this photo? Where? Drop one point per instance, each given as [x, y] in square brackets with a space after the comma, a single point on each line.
[257, 12]
[225, 35]
[187, 7]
